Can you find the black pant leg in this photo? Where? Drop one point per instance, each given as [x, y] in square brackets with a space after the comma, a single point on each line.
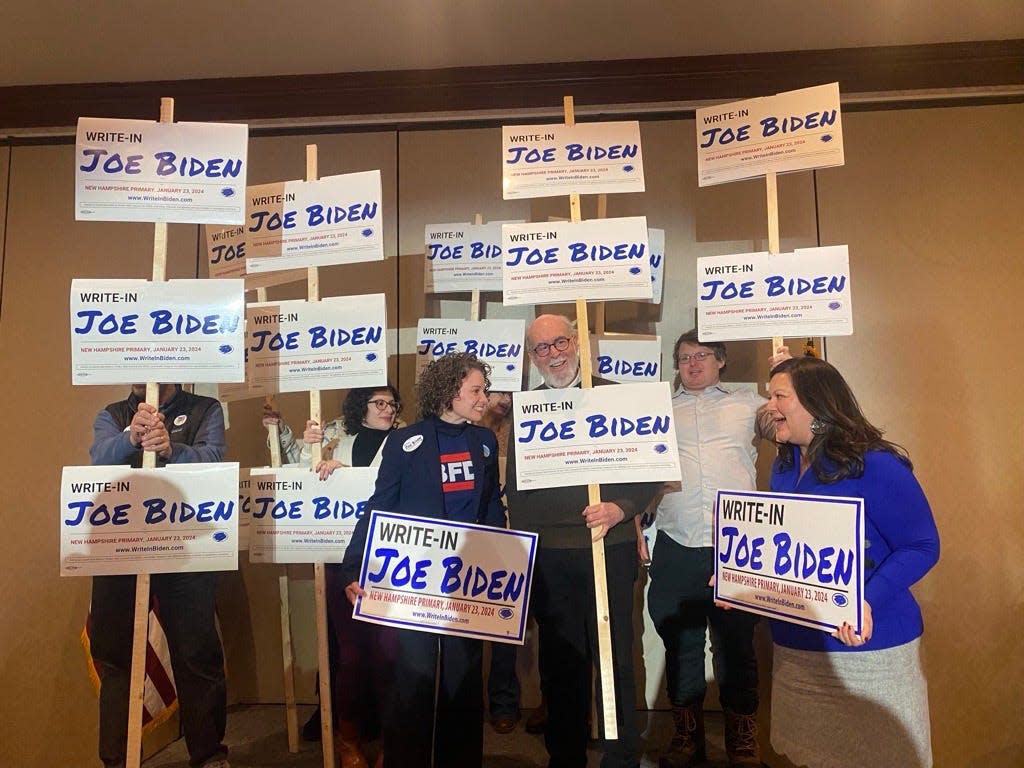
[187, 604]
[112, 616]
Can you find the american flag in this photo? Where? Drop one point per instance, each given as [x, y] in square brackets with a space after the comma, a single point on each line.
[160, 700]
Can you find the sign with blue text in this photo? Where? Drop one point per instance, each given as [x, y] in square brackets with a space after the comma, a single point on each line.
[126, 331]
[244, 508]
[792, 131]
[612, 434]
[791, 557]
[335, 343]
[335, 220]
[656, 245]
[225, 250]
[141, 170]
[499, 343]
[299, 518]
[463, 257]
[586, 158]
[626, 359]
[451, 578]
[557, 261]
[118, 520]
[761, 295]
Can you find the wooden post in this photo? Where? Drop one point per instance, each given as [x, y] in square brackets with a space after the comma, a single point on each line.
[604, 631]
[474, 302]
[291, 714]
[773, 230]
[599, 311]
[140, 627]
[319, 583]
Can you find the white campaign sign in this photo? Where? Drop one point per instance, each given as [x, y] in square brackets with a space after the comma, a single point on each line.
[299, 518]
[499, 343]
[656, 243]
[244, 508]
[141, 170]
[225, 249]
[559, 261]
[626, 359]
[586, 158]
[463, 257]
[450, 578]
[335, 343]
[760, 295]
[611, 434]
[126, 331]
[335, 220]
[791, 556]
[119, 520]
[791, 131]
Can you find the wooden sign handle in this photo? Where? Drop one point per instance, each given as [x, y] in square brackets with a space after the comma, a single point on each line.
[140, 625]
[604, 631]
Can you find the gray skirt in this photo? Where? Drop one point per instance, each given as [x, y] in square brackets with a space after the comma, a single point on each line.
[850, 710]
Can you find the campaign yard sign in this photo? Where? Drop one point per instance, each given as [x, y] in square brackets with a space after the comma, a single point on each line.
[143, 170]
[792, 131]
[333, 220]
[335, 343]
[463, 257]
[612, 434]
[225, 251]
[117, 520]
[792, 557]
[626, 359]
[557, 261]
[585, 158]
[126, 331]
[761, 295]
[499, 343]
[451, 578]
[299, 518]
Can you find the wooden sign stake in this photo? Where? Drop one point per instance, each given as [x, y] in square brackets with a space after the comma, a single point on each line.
[291, 713]
[319, 583]
[604, 631]
[773, 230]
[474, 302]
[140, 627]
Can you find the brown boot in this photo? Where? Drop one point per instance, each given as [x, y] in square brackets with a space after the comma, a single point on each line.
[346, 744]
[741, 740]
[538, 720]
[687, 747]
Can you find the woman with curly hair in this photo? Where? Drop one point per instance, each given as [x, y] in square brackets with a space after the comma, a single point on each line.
[444, 467]
[850, 699]
[361, 654]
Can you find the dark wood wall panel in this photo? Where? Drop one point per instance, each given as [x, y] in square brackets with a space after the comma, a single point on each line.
[637, 81]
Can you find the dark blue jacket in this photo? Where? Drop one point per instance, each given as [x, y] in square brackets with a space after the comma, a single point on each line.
[409, 483]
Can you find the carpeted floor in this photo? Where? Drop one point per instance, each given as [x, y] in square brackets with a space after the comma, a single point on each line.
[257, 738]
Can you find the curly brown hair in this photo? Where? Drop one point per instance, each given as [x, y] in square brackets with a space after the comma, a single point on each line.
[442, 378]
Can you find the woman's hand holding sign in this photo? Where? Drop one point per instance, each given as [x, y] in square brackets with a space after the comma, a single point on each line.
[847, 636]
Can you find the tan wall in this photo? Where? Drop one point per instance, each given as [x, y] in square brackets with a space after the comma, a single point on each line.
[928, 202]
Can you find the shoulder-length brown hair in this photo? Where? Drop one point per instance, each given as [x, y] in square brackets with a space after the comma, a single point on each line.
[837, 450]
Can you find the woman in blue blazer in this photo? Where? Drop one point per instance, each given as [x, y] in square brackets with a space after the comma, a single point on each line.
[442, 467]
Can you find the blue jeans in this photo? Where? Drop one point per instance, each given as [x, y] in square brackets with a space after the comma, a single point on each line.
[187, 606]
[682, 607]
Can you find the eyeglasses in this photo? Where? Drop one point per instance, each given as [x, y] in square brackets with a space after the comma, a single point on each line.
[560, 344]
[380, 405]
[700, 357]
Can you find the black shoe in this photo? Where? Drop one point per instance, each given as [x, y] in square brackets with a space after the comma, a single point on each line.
[311, 730]
[505, 723]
